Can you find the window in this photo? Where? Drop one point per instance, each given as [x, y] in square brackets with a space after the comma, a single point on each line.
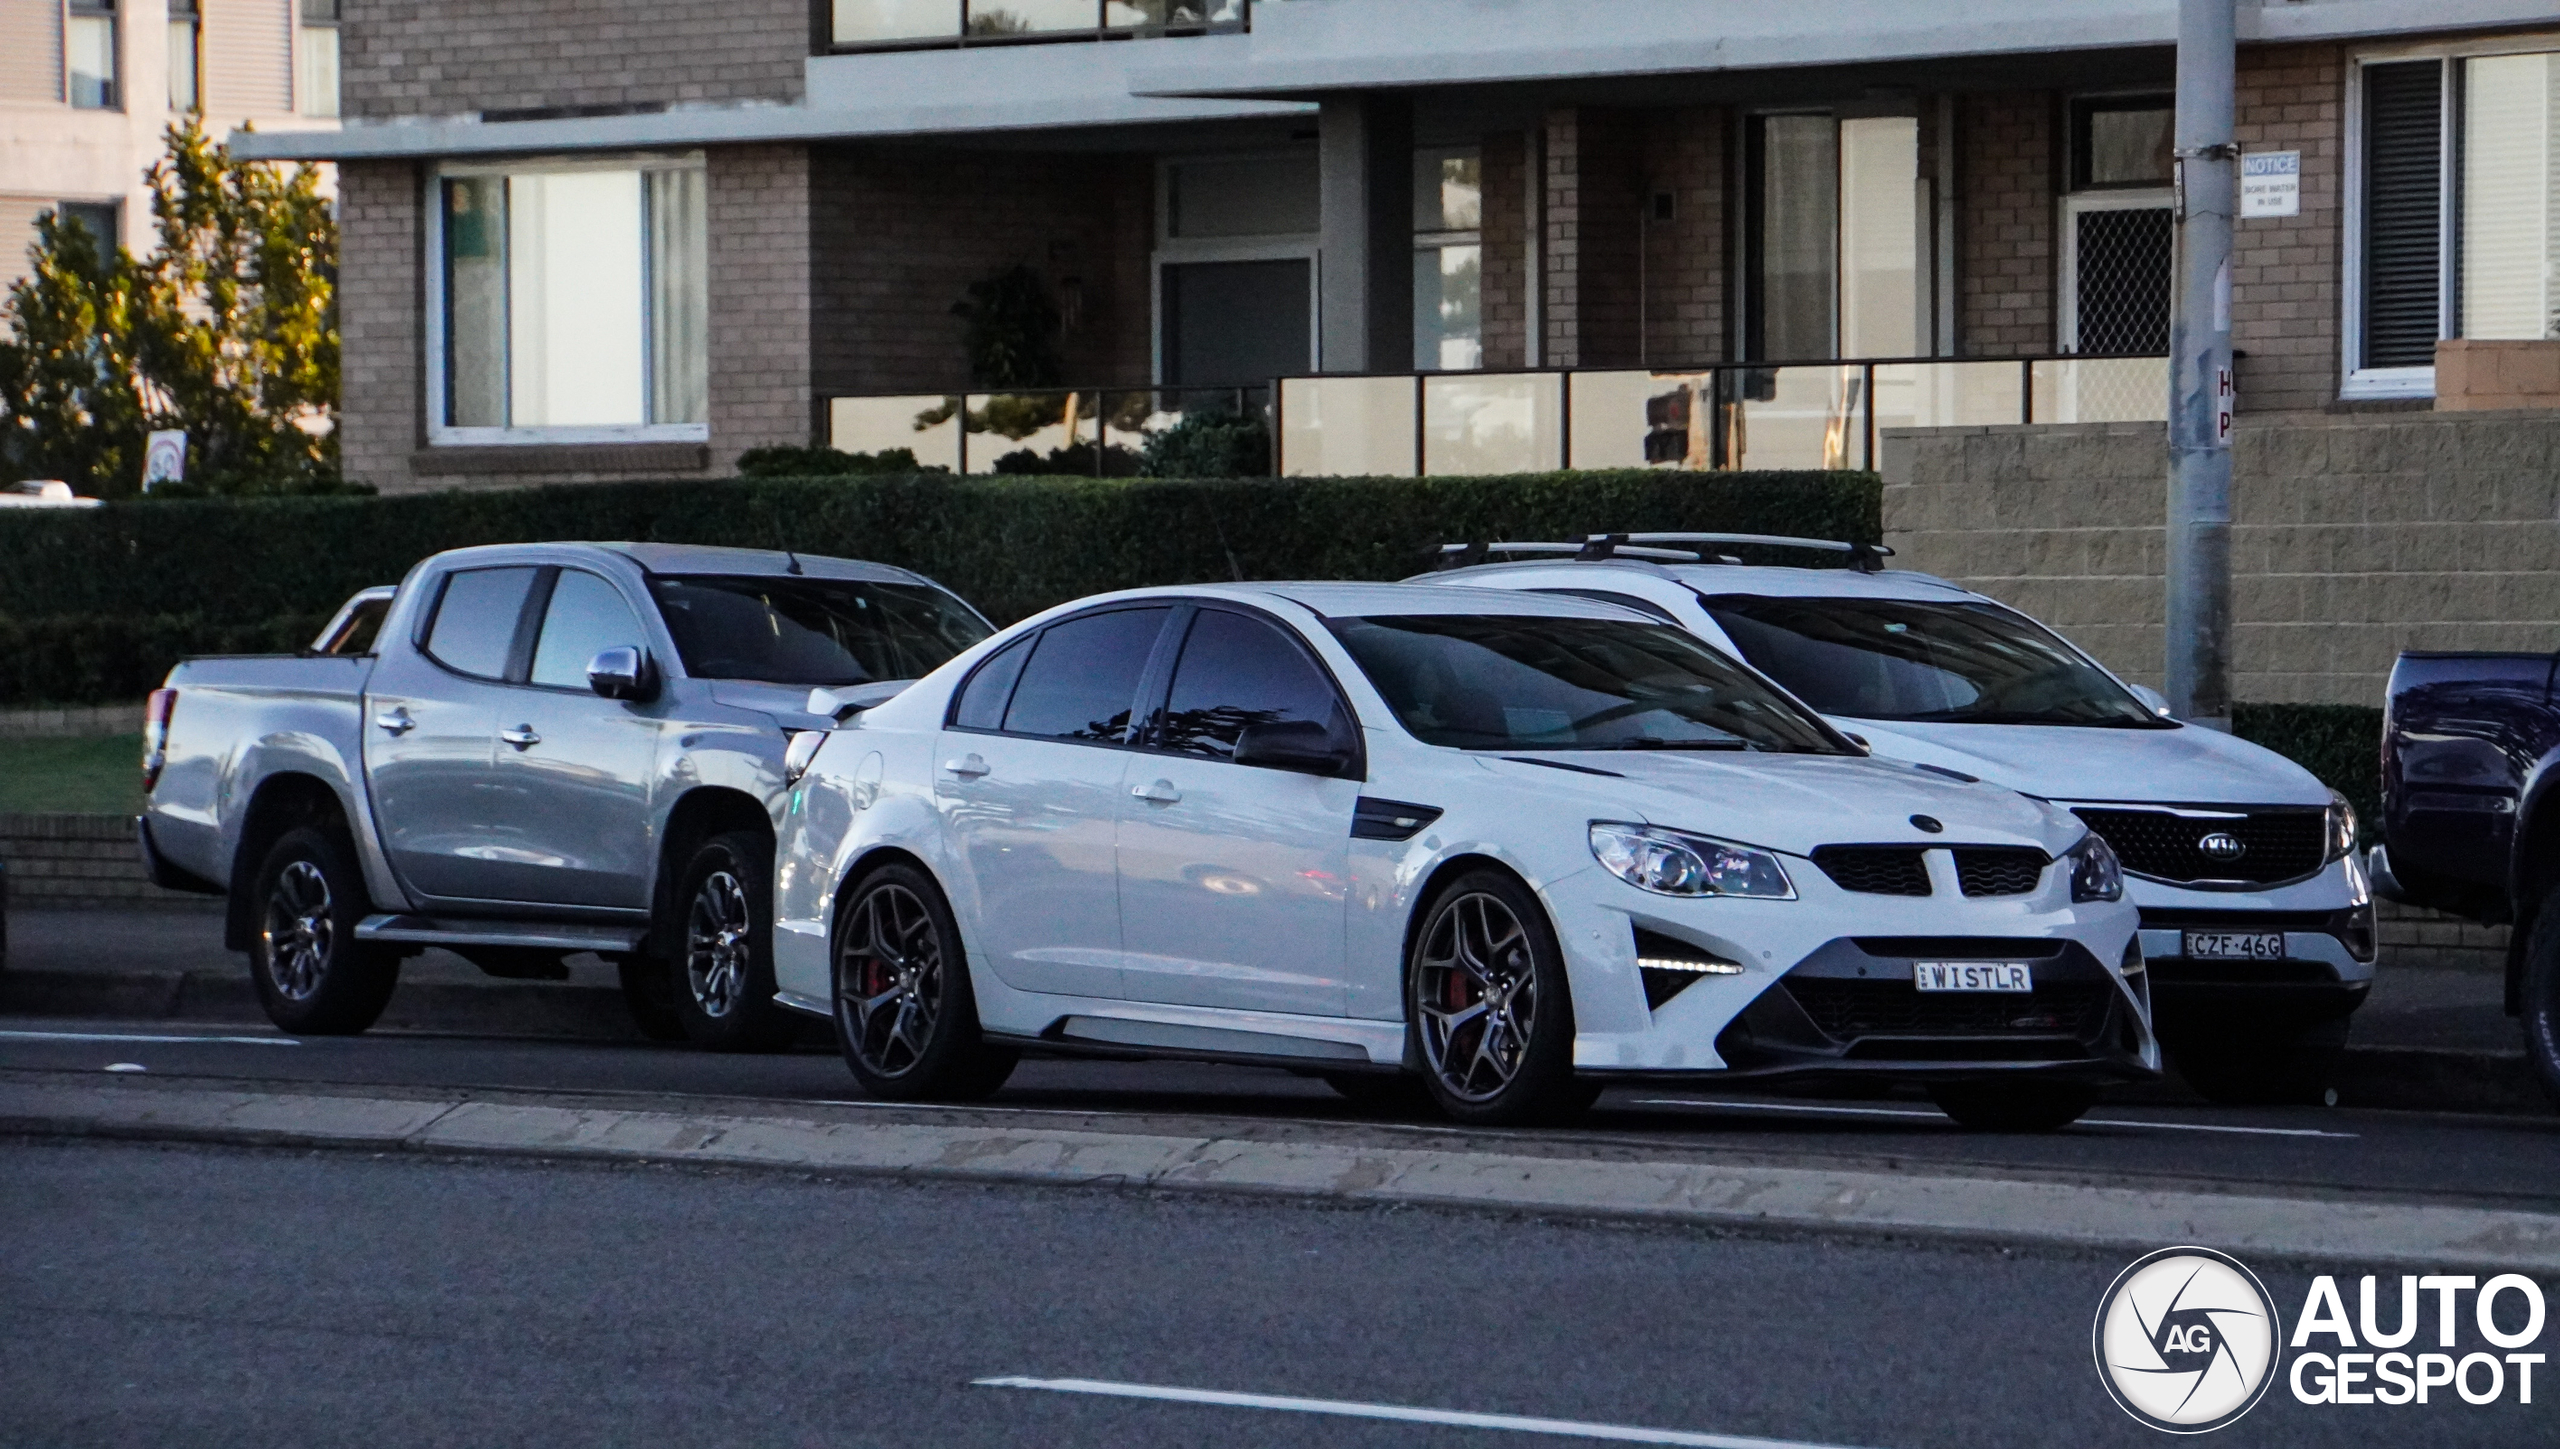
[983, 699]
[1832, 237]
[186, 59]
[99, 217]
[1082, 677]
[2453, 233]
[585, 617]
[475, 625]
[870, 24]
[316, 75]
[1238, 671]
[813, 631]
[1448, 259]
[1236, 267]
[574, 299]
[89, 45]
[2121, 141]
[2118, 226]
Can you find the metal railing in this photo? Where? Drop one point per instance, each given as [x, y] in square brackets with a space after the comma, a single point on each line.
[1729, 416]
[926, 24]
[1101, 431]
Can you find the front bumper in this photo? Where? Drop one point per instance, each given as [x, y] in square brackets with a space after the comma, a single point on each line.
[2325, 973]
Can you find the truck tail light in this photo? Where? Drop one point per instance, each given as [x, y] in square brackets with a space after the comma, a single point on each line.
[155, 735]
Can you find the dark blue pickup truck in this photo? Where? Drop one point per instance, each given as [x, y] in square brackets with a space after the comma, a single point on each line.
[2471, 814]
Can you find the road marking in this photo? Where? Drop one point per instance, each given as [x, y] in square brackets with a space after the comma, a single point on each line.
[1571, 1428]
[135, 1036]
[1941, 1116]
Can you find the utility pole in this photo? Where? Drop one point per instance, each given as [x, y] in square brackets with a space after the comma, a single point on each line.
[2200, 392]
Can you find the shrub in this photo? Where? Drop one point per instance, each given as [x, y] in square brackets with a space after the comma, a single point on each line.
[1212, 443]
[780, 461]
[2341, 744]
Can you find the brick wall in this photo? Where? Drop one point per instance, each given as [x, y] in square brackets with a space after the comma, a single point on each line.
[759, 220]
[900, 235]
[380, 412]
[401, 58]
[2354, 537]
[1505, 232]
[1684, 258]
[2284, 270]
[2005, 272]
[1595, 196]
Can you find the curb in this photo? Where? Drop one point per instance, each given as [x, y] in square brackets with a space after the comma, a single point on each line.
[902, 1145]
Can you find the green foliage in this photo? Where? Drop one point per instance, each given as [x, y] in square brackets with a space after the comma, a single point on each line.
[1012, 335]
[1075, 459]
[823, 462]
[83, 601]
[2341, 744]
[1211, 443]
[228, 329]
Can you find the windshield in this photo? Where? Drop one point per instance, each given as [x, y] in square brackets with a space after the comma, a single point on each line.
[813, 631]
[1903, 659]
[1511, 682]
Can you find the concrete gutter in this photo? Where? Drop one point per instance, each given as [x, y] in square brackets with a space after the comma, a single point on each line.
[1410, 1166]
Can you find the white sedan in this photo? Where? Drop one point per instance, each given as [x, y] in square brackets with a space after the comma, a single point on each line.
[1519, 847]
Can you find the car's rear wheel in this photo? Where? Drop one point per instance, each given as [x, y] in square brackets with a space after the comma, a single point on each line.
[2541, 995]
[724, 965]
[2270, 1066]
[906, 1017]
[313, 977]
[1489, 1007]
[2013, 1106]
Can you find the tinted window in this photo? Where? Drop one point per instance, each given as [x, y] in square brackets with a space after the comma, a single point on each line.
[1493, 682]
[1083, 676]
[1237, 671]
[982, 702]
[475, 626]
[585, 617]
[1898, 659]
[813, 631]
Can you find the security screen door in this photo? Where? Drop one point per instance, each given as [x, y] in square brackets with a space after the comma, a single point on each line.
[1231, 324]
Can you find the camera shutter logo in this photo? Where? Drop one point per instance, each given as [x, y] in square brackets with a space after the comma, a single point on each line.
[2186, 1340]
[2222, 845]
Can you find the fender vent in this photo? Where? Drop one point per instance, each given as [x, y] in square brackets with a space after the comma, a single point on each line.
[1670, 966]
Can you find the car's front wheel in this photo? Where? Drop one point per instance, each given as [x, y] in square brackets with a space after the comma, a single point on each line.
[906, 1016]
[2274, 1065]
[2541, 993]
[313, 977]
[724, 966]
[2013, 1106]
[1489, 1008]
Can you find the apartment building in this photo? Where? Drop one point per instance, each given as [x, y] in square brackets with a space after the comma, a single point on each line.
[88, 86]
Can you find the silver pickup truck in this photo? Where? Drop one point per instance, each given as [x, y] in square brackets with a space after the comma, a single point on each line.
[523, 752]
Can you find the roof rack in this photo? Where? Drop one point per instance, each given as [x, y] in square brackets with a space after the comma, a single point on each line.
[1866, 558]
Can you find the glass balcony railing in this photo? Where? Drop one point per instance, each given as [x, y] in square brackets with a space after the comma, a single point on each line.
[1799, 415]
[920, 24]
[1100, 431]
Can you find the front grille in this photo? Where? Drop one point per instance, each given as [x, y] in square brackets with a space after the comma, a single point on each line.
[2277, 845]
[1875, 870]
[1999, 870]
[1846, 1010]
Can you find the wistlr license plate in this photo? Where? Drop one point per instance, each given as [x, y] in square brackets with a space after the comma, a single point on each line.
[2235, 945]
[1972, 976]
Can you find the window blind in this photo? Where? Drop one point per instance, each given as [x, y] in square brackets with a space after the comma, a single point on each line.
[2403, 213]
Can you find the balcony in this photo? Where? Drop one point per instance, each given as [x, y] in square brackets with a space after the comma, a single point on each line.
[1723, 418]
[861, 25]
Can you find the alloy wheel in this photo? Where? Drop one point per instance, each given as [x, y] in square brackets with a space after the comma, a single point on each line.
[1476, 989]
[889, 978]
[716, 944]
[300, 932]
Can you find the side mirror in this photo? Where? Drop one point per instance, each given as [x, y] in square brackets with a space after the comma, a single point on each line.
[2152, 699]
[1302, 745]
[623, 673]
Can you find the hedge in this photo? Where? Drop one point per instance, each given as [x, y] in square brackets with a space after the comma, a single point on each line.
[2341, 744]
[95, 605]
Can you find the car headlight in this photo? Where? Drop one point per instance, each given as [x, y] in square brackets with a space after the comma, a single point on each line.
[1670, 863]
[2095, 873]
[2342, 827]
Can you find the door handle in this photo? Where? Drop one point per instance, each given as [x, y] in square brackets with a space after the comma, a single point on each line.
[1161, 792]
[395, 720]
[967, 766]
[522, 737]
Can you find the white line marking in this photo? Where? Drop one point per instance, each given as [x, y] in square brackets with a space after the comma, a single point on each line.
[135, 1036]
[1941, 1116]
[1574, 1428]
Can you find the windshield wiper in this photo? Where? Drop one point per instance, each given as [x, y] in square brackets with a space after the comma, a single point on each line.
[1654, 744]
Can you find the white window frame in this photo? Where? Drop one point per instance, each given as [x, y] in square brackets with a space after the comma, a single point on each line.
[431, 203]
[2364, 384]
[2067, 294]
[1171, 250]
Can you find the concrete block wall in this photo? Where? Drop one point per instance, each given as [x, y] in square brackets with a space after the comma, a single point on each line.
[401, 58]
[2354, 537]
[81, 861]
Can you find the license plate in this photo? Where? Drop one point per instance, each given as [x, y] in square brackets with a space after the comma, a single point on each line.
[1972, 976]
[2235, 945]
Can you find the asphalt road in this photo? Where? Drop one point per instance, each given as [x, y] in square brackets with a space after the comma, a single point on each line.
[217, 1297]
[2505, 1161]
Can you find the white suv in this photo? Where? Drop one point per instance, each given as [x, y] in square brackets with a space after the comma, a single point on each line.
[2257, 919]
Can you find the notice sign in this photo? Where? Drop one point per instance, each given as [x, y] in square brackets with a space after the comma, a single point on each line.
[2271, 184]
